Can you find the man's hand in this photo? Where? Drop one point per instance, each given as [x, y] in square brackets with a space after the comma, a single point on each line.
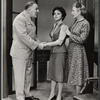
[41, 46]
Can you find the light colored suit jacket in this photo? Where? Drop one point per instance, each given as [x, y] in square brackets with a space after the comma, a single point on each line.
[24, 37]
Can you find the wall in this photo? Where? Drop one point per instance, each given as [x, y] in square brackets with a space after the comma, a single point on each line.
[44, 23]
[45, 18]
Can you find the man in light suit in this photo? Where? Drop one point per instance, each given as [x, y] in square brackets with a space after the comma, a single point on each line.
[24, 42]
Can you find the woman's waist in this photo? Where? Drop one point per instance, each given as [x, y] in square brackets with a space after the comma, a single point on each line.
[59, 49]
[73, 45]
[76, 43]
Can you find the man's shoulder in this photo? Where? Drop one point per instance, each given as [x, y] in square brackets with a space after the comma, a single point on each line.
[19, 17]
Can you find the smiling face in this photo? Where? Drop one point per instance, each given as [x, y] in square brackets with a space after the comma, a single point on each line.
[57, 15]
[33, 10]
[75, 12]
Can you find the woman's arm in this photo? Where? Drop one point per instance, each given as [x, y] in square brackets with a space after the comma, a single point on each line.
[83, 36]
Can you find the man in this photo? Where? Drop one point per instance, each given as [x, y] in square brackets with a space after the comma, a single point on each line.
[24, 42]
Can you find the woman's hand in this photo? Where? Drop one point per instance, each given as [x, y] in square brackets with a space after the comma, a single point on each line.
[44, 44]
[66, 30]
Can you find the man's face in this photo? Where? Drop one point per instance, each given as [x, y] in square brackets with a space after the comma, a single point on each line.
[34, 10]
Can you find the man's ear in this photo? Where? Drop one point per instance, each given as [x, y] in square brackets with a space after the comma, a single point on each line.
[29, 9]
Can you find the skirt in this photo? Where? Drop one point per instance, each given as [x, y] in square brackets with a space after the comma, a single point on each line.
[57, 66]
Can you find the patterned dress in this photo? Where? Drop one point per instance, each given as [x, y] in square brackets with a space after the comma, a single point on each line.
[77, 58]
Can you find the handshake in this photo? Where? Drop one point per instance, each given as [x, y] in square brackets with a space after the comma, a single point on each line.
[42, 45]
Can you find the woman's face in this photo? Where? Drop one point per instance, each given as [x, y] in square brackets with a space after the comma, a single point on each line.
[75, 12]
[57, 15]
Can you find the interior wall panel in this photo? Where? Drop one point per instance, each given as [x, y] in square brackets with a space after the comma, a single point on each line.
[45, 18]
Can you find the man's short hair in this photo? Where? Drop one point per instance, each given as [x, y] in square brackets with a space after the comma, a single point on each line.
[29, 4]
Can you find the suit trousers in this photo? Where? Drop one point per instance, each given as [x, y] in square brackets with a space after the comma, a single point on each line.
[22, 72]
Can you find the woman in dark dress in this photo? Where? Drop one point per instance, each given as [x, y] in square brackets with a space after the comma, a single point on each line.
[58, 53]
[77, 58]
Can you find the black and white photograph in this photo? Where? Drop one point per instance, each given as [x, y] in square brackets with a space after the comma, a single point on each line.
[50, 50]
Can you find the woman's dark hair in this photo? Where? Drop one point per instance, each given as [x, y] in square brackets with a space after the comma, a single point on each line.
[62, 10]
[81, 7]
[29, 4]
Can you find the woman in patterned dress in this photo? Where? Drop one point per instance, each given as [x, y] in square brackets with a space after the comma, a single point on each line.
[77, 58]
[58, 53]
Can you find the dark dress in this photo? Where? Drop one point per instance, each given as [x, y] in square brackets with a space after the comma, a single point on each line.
[77, 58]
[57, 57]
